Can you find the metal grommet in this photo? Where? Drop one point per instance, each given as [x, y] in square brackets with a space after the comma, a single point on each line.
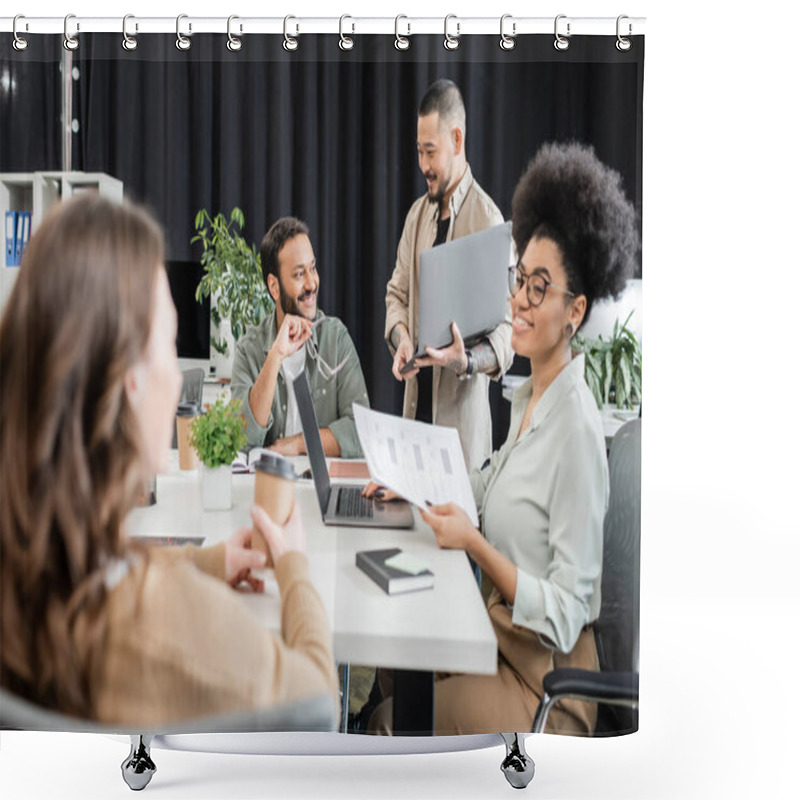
[345, 42]
[401, 42]
[451, 42]
[233, 44]
[70, 42]
[507, 42]
[19, 43]
[182, 42]
[561, 42]
[289, 43]
[623, 43]
[128, 42]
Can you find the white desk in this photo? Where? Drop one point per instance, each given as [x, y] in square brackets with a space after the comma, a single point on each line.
[445, 628]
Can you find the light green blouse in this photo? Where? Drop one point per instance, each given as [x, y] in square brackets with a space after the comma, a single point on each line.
[542, 499]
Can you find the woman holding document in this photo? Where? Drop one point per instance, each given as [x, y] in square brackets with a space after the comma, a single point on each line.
[91, 623]
[542, 497]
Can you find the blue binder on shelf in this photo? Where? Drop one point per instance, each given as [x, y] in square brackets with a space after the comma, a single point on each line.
[11, 238]
[22, 243]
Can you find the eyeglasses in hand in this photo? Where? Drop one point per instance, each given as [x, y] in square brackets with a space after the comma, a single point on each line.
[325, 369]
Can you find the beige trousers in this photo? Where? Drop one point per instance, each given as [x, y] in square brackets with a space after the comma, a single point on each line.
[506, 701]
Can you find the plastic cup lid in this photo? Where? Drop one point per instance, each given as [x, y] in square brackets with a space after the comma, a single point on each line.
[274, 465]
[187, 410]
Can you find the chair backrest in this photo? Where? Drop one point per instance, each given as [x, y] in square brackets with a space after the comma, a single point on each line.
[617, 629]
[192, 391]
[319, 713]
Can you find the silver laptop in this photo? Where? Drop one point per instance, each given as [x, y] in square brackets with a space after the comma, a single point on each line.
[464, 281]
[341, 504]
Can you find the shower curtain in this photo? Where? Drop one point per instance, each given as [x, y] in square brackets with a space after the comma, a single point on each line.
[319, 132]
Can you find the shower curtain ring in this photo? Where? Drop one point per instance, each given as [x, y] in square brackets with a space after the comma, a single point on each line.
[234, 44]
[129, 42]
[623, 43]
[289, 42]
[346, 42]
[70, 42]
[401, 42]
[507, 42]
[451, 42]
[182, 42]
[19, 43]
[561, 42]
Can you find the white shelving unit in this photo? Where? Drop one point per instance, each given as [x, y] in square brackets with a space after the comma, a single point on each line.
[37, 192]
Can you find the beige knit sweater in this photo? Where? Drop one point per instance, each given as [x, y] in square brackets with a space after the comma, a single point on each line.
[182, 644]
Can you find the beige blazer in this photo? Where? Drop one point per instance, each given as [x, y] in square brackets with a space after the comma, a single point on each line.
[463, 405]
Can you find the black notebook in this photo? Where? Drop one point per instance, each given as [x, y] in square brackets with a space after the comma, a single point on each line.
[391, 580]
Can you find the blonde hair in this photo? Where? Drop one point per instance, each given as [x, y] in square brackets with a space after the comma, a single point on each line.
[70, 465]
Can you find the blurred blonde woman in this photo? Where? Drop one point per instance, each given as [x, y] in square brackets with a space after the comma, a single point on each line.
[91, 623]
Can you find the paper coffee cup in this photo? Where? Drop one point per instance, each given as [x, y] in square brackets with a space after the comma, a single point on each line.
[274, 492]
[184, 417]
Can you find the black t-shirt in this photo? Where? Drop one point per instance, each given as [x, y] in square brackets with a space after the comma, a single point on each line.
[425, 375]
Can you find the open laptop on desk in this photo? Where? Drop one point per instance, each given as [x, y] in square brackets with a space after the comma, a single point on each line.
[342, 504]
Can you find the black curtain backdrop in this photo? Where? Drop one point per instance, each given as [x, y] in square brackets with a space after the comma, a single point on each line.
[325, 135]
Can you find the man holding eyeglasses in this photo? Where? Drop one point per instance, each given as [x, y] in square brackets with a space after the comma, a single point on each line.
[451, 386]
[297, 336]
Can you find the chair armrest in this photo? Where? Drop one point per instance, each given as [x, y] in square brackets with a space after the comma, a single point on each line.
[319, 713]
[599, 686]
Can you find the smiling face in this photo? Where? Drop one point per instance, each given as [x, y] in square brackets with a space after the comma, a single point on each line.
[540, 332]
[437, 149]
[295, 291]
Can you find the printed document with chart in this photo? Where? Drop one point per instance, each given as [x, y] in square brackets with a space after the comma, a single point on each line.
[417, 460]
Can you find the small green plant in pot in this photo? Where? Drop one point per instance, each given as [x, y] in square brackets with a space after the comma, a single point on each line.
[613, 366]
[217, 436]
[231, 277]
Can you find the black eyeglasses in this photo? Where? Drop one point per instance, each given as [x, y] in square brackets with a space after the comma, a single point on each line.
[536, 285]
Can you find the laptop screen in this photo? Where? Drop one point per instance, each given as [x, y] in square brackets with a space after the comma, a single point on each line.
[465, 281]
[316, 455]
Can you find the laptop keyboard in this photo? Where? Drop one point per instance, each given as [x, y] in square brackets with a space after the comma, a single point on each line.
[350, 503]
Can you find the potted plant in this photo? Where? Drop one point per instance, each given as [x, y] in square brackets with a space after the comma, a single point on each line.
[613, 366]
[217, 436]
[232, 278]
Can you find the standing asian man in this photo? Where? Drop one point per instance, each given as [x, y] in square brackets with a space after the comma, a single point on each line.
[451, 385]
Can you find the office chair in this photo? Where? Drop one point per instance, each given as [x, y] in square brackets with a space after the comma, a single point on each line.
[319, 714]
[616, 632]
[192, 392]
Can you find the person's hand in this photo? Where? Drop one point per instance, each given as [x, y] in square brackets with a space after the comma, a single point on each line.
[280, 539]
[379, 492]
[453, 357]
[289, 446]
[451, 525]
[293, 334]
[404, 354]
[240, 558]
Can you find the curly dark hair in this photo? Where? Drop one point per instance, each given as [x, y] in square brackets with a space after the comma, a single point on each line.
[568, 195]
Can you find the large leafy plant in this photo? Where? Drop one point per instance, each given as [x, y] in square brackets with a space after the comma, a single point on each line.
[218, 435]
[232, 274]
[613, 366]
